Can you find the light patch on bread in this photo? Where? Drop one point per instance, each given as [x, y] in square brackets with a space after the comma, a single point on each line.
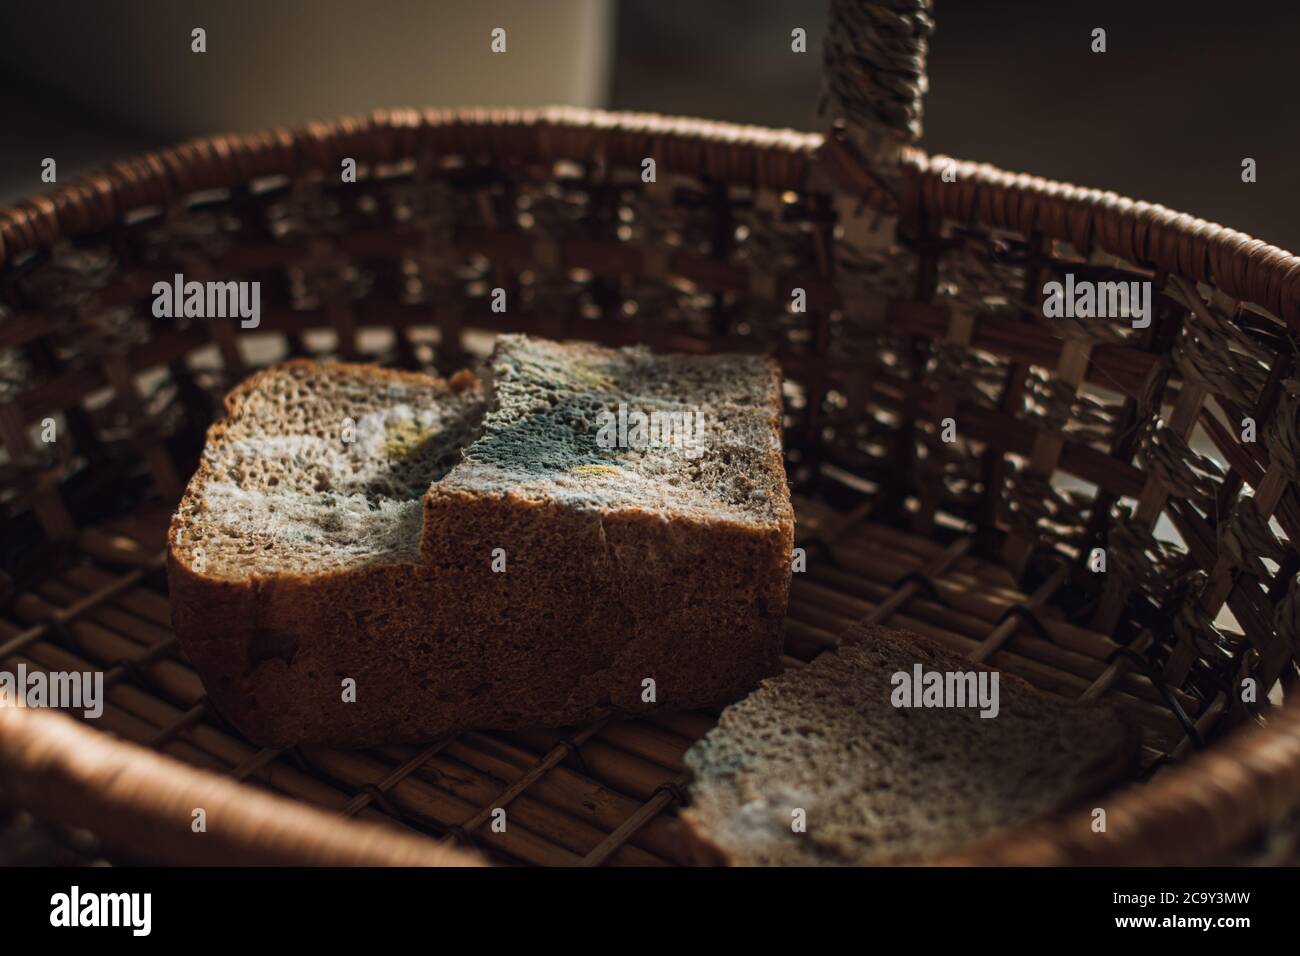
[281, 488]
[346, 528]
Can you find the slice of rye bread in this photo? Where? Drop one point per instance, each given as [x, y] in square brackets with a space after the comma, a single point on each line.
[887, 785]
[669, 562]
[293, 559]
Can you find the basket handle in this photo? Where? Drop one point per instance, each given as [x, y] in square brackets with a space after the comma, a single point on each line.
[873, 61]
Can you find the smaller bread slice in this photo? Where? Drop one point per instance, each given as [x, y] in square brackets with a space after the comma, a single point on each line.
[879, 784]
[293, 560]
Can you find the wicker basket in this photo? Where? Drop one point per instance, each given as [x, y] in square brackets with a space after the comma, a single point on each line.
[924, 287]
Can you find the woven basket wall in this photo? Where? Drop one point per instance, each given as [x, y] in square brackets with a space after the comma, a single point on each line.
[924, 283]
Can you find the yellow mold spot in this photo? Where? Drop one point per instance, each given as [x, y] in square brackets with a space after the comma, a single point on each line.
[403, 438]
[597, 469]
[586, 378]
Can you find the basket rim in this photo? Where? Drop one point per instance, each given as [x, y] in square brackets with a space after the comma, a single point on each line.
[1140, 232]
[140, 799]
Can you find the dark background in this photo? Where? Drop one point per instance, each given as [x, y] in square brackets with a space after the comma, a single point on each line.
[1185, 91]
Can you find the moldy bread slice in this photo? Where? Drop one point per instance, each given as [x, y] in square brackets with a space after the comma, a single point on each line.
[873, 783]
[600, 559]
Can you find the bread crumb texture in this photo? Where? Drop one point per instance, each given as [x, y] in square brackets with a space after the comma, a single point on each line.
[542, 436]
[321, 467]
